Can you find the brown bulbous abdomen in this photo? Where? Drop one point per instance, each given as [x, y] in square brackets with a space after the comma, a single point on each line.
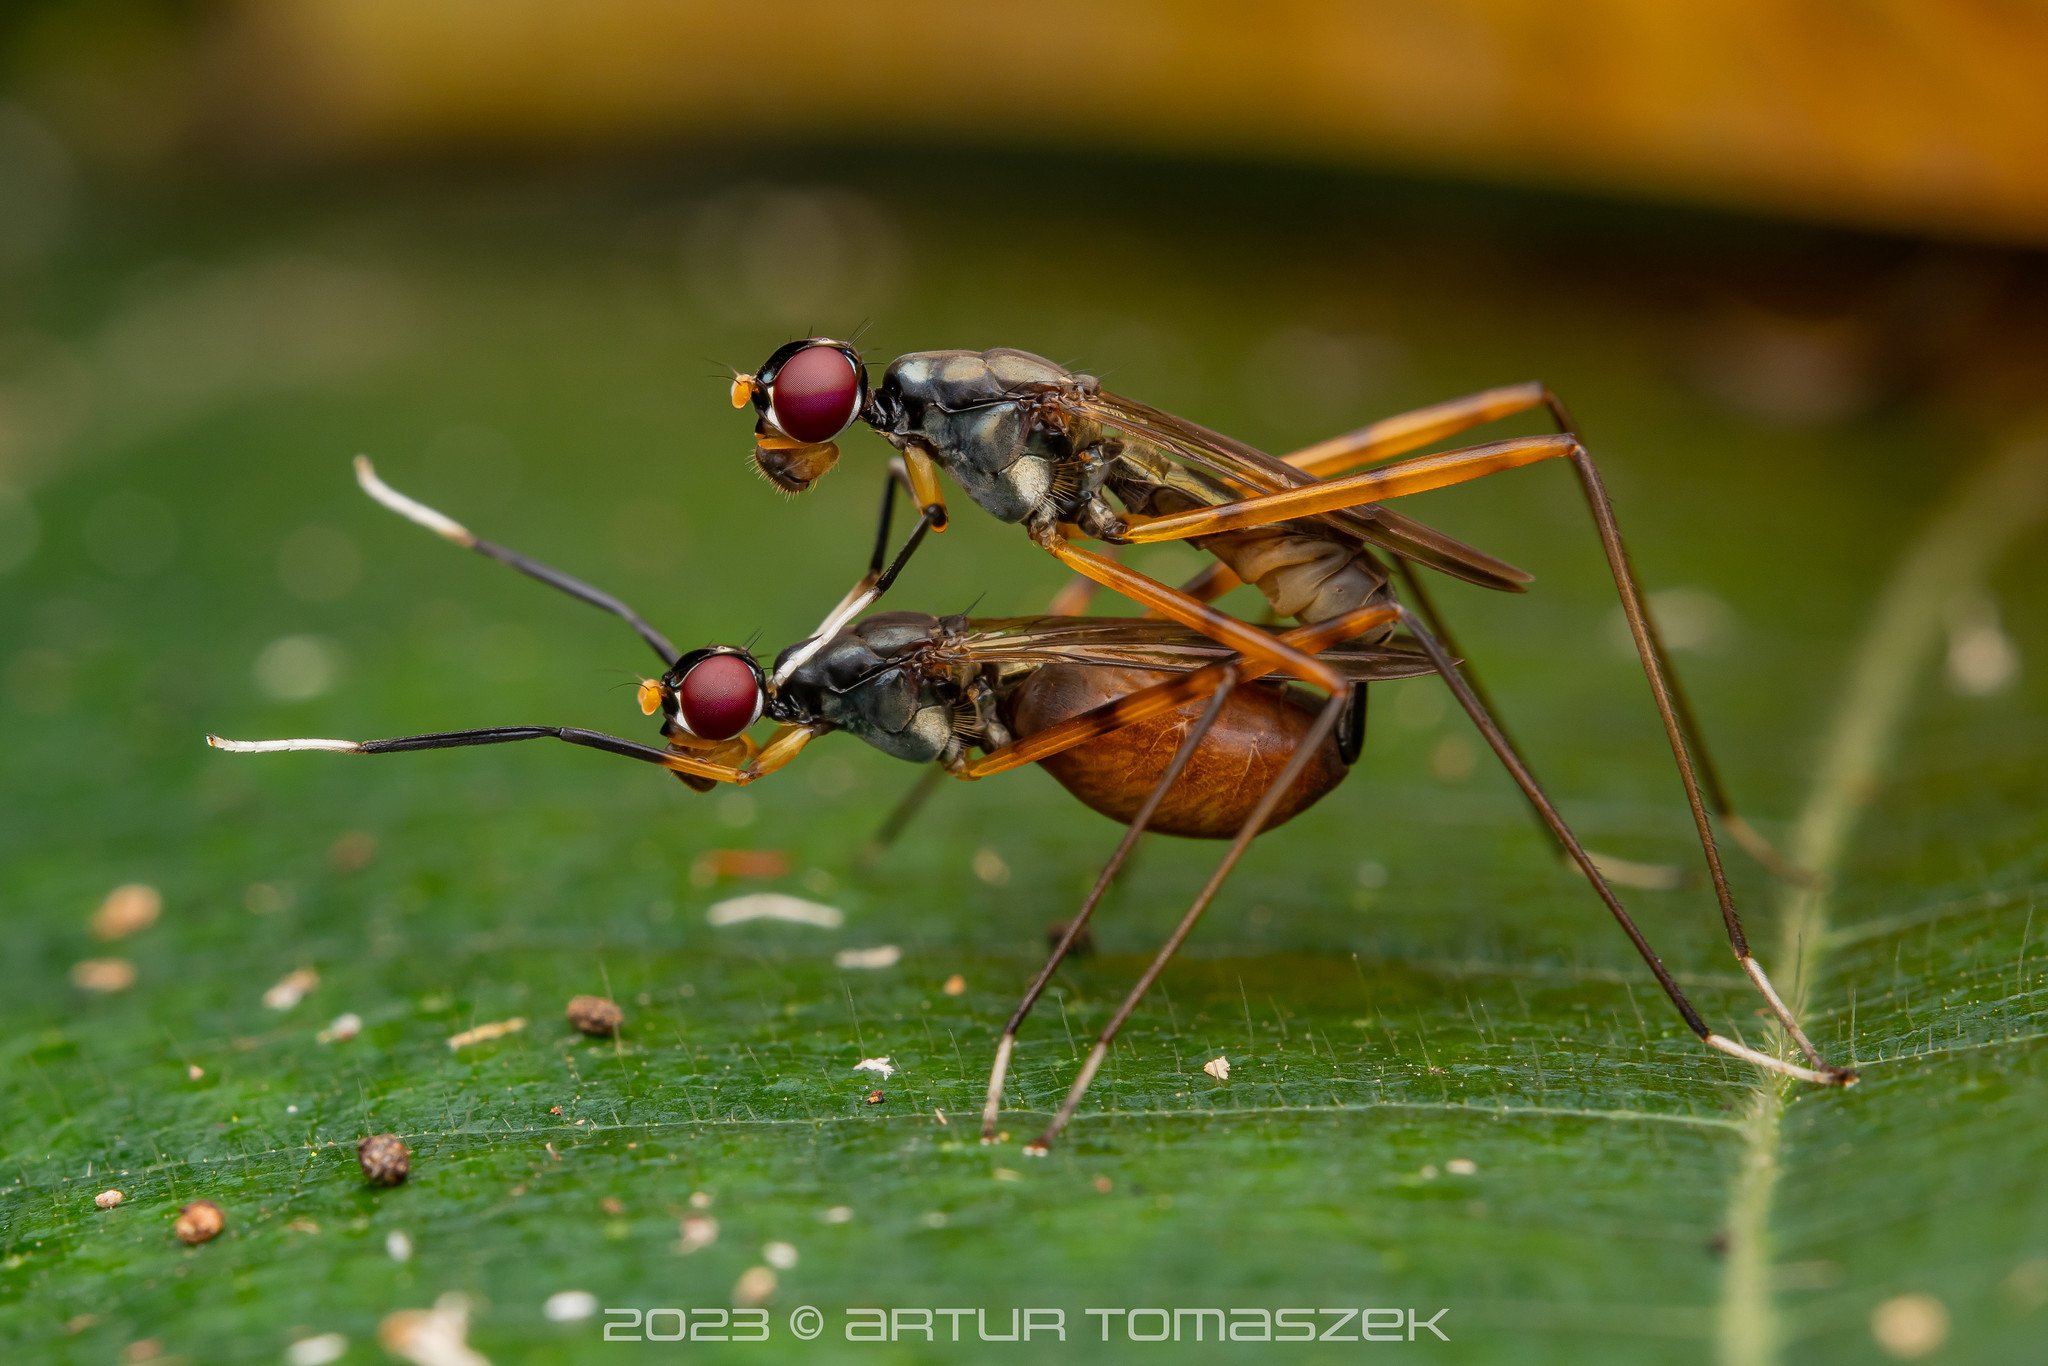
[1259, 729]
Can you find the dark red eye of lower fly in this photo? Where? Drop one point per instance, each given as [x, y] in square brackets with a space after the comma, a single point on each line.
[719, 697]
[815, 394]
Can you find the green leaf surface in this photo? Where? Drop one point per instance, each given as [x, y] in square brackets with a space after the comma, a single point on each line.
[1451, 1085]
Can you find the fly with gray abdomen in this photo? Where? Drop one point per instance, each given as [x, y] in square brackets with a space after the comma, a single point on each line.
[1034, 443]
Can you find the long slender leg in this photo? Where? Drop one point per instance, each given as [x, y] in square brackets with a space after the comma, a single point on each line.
[1651, 876]
[881, 574]
[1128, 710]
[1460, 466]
[992, 1107]
[1411, 431]
[1177, 606]
[1498, 741]
[780, 749]
[1304, 750]
[449, 529]
[1209, 584]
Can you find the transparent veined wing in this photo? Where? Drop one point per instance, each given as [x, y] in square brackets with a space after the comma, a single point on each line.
[1227, 469]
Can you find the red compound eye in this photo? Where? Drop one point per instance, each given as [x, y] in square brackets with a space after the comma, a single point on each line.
[815, 394]
[719, 697]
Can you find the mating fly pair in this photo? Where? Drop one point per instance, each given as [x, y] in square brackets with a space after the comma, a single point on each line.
[1036, 444]
[1144, 720]
[1200, 724]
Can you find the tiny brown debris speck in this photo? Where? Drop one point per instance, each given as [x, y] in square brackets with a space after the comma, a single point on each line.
[291, 988]
[1103, 1185]
[1910, 1326]
[484, 1033]
[597, 1016]
[385, 1159]
[103, 975]
[612, 1205]
[876, 1097]
[108, 1199]
[141, 1350]
[753, 864]
[352, 852]
[126, 910]
[955, 985]
[200, 1222]
[193, 1072]
[699, 1231]
[756, 1284]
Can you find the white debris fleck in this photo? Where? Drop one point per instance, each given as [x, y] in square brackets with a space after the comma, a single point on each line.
[774, 906]
[880, 956]
[484, 1033]
[567, 1306]
[1982, 659]
[699, 1232]
[1462, 1166]
[1910, 1326]
[990, 868]
[755, 1285]
[881, 1066]
[291, 989]
[108, 1199]
[838, 1214]
[344, 1028]
[432, 1337]
[780, 1255]
[316, 1351]
[398, 1246]
[1218, 1067]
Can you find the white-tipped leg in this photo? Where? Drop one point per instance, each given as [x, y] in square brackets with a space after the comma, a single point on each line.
[1089, 1067]
[275, 746]
[1784, 1014]
[1831, 1077]
[410, 508]
[993, 1109]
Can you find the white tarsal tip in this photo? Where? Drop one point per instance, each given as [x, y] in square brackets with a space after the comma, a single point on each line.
[409, 508]
[278, 746]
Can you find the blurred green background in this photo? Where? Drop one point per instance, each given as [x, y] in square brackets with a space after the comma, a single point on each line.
[1795, 304]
